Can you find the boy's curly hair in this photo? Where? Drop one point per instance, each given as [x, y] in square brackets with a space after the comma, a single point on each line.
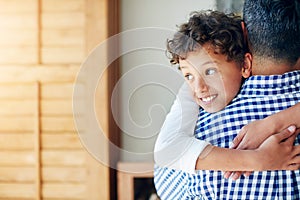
[224, 32]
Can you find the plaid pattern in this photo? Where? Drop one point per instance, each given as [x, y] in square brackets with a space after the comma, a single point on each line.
[260, 96]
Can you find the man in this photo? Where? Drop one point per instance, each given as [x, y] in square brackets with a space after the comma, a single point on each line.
[273, 26]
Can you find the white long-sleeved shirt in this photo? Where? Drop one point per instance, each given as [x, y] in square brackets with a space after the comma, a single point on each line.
[176, 147]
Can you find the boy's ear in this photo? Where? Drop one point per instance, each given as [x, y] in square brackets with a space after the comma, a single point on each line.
[247, 67]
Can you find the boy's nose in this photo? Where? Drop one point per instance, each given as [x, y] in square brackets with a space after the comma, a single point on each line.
[200, 85]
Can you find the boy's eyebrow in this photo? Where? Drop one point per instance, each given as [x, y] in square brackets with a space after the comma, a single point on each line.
[210, 62]
[206, 63]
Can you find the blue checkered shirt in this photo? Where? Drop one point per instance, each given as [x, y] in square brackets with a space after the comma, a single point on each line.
[260, 96]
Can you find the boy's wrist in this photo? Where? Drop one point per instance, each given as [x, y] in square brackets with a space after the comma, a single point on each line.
[258, 161]
[252, 160]
[274, 124]
[281, 120]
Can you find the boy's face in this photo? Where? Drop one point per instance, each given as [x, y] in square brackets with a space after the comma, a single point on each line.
[214, 81]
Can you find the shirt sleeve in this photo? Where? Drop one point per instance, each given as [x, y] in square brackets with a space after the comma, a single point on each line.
[176, 147]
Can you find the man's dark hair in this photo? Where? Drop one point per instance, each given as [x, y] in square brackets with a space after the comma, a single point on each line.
[223, 32]
[273, 29]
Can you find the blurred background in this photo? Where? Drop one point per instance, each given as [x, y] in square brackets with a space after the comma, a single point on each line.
[42, 46]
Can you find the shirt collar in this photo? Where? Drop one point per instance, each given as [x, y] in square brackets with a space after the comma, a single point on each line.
[272, 84]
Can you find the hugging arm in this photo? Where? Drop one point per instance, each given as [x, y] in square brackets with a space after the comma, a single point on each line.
[275, 153]
[176, 147]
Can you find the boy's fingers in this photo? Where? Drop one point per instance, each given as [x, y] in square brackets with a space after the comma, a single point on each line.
[286, 133]
[237, 140]
[236, 175]
[247, 174]
[290, 141]
[227, 174]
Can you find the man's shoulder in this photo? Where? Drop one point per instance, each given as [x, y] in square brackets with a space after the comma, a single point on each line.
[262, 85]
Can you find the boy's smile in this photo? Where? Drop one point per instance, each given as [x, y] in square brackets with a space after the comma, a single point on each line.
[208, 99]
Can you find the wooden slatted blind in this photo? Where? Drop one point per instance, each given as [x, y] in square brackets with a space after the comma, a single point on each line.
[42, 45]
[18, 130]
[19, 31]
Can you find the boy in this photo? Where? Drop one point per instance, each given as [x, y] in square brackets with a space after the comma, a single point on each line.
[214, 63]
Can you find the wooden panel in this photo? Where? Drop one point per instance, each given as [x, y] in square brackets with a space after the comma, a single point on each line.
[19, 54]
[61, 141]
[61, 6]
[49, 73]
[19, 141]
[16, 107]
[17, 190]
[56, 107]
[17, 158]
[64, 174]
[58, 124]
[49, 174]
[18, 6]
[63, 158]
[97, 17]
[64, 191]
[11, 91]
[18, 21]
[16, 124]
[63, 37]
[17, 174]
[64, 55]
[18, 37]
[16, 141]
[46, 43]
[63, 20]
[57, 90]
[61, 107]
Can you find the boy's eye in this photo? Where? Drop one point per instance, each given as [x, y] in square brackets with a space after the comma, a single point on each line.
[188, 77]
[210, 71]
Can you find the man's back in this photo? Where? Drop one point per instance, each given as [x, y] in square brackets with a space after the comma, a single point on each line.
[260, 97]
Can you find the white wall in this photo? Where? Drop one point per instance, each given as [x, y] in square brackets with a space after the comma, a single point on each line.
[149, 102]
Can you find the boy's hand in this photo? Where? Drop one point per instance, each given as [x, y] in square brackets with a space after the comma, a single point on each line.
[288, 137]
[278, 151]
[250, 137]
[253, 135]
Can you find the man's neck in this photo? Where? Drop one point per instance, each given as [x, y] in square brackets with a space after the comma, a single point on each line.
[269, 67]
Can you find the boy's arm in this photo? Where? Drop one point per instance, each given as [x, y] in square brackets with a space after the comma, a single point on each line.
[253, 134]
[275, 153]
[176, 147]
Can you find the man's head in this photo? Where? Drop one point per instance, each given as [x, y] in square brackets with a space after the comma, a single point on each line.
[273, 30]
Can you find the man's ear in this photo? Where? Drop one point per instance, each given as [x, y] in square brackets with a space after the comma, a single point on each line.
[297, 65]
[247, 67]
